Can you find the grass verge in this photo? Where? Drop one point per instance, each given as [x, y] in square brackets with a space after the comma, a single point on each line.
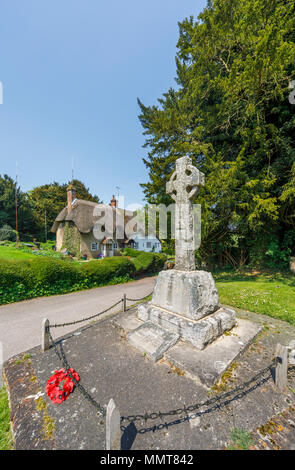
[6, 441]
[271, 294]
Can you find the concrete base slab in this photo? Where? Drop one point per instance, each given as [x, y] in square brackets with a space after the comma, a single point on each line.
[152, 340]
[199, 333]
[208, 365]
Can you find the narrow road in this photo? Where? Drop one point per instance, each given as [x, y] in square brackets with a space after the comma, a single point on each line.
[20, 322]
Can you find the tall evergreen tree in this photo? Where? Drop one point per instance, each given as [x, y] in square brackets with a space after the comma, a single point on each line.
[230, 112]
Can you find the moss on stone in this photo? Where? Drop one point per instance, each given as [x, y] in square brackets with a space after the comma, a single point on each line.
[48, 427]
[227, 376]
[25, 358]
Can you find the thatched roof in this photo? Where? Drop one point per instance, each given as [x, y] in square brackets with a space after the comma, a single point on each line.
[84, 216]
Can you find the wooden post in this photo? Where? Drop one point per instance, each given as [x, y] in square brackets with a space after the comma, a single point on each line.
[124, 303]
[281, 366]
[113, 432]
[45, 335]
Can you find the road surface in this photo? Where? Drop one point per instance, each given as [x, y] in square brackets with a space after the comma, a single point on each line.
[20, 322]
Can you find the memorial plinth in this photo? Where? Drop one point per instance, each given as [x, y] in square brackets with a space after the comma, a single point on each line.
[192, 294]
[187, 303]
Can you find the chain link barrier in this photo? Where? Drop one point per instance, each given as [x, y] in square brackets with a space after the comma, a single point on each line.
[138, 300]
[75, 322]
[63, 360]
[154, 415]
[195, 407]
[86, 319]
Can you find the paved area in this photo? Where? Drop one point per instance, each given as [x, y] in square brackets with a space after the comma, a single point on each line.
[110, 367]
[20, 323]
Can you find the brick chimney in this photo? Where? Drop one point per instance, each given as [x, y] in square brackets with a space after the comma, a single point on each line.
[113, 202]
[71, 193]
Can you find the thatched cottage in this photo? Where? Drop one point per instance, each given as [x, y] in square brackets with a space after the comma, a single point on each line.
[75, 223]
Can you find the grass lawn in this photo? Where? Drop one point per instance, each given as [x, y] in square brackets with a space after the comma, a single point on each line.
[6, 442]
[11, 253]
[271, 294]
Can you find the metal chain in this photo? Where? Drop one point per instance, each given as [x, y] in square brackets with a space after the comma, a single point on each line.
[186, 409]
[57, 325]
[137, 300]
[147, 416]
[86, 319]
[61, 356]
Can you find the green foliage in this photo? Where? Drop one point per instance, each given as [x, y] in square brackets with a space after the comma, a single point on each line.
[231, 114]
[149, 262]
[10, 251]
[8, 190]
[25, 279]
[97, 273]
[278, 256]
[52, 198]
[38, 276]
[7, 233]
[49, 198]
[168, 247]
[47, 271]
[131, 252]
[241, 439]
[72, 239]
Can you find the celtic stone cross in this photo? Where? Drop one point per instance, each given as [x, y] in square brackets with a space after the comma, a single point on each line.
[184, 184]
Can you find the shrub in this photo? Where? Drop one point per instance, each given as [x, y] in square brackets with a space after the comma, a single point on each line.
[48, 271]
[28, 278]
[103, 271]
[131, 252]
[149, 262]
[12, 272]
[24, 279]
[7, 233]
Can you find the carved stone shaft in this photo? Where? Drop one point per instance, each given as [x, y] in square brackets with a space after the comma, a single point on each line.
[184, 184]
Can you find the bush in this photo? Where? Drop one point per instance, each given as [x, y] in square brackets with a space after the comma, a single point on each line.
[12, 272]
[7, 233]
[149, 262]
[28, 278]
[48, 271]
[24, 279]
[131, 252]
[102, 272]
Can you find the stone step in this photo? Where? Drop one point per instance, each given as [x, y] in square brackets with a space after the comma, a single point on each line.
[152, 339]
[207, 366]
[199, 333]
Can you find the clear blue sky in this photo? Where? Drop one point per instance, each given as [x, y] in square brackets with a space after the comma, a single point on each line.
[71, 73]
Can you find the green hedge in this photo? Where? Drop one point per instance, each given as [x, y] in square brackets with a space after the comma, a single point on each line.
[27, 278]
[97, 273]
[132, 253]
[149, 262]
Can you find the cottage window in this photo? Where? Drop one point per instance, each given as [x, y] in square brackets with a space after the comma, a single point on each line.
[93, 246]
[115, 245]
[148, 244]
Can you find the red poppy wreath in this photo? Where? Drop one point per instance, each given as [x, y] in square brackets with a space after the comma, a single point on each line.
[60, 385]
